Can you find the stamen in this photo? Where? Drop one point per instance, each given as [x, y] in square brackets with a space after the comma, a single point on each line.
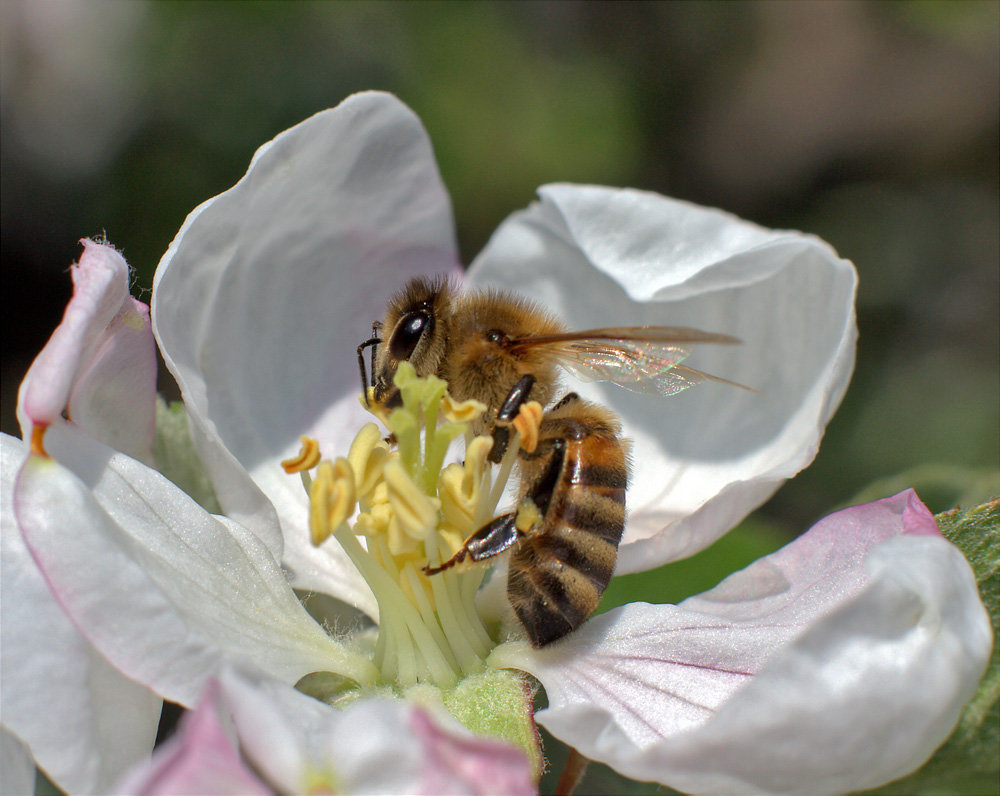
[488, 508]
[367, 456]
[307, 458]
[463, 412]
[369, 405]
[331, 499]
[416, 513]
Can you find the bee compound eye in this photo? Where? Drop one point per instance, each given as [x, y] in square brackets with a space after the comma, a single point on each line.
[407, 334]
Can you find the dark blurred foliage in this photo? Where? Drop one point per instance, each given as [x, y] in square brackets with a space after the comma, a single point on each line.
[873, 125]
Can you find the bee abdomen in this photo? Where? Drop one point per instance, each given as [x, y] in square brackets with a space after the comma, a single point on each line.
[558, 573]
[549, 598]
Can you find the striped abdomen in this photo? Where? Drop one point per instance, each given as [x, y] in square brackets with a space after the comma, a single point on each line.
[562, 565]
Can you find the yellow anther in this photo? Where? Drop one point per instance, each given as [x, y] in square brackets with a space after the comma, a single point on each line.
[367, 457]
[399, 542]
[331, 499]
[375, 521]
[405, 373]
[461, 412]
[460, 486]
[416, 513]
[307, 458]
[458, 506]
[528, 516]
[475, 461]
[528, 419]
[374, 408]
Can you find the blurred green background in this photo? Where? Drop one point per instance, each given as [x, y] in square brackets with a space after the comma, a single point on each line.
[873, 125]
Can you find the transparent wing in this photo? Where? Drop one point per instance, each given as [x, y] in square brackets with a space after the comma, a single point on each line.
[644, 359]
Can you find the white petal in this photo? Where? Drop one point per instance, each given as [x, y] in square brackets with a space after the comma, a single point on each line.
[83, 720]
[836, 664]
[278, 727]
[269, 288]
[164, 590]
[704, 458]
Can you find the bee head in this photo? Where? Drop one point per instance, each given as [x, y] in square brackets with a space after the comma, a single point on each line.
[415, 332]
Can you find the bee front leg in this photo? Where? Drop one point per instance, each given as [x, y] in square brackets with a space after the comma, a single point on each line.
[489, 541]
[516, 398]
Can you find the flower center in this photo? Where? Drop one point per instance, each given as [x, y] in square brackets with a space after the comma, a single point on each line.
[410, 515]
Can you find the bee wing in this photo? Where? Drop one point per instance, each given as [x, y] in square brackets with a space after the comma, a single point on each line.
[644, 359]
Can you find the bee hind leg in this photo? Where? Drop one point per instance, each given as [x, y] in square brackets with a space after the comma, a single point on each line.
[489, 541]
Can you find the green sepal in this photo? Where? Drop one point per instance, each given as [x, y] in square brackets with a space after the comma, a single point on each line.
[495, 703]
[176, 457]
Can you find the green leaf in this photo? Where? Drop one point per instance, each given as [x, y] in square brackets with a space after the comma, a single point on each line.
[969, 761]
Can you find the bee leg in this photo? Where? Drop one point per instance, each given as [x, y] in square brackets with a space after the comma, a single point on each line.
[489, 541]
[517, 396]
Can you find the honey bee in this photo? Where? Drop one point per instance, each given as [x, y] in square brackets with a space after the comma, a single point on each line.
[503, 350]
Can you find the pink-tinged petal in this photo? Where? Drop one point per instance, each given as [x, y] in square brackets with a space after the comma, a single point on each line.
[709, 455]
[200, 759]
[100, 363]
[84, 721]
[164, 590]
[457, 762]
[100, 287]
[263, 297]
[114, 396]
[917, 518]
[863, 639]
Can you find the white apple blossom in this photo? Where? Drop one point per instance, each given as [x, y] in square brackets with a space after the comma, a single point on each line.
[335, 214]
[258, 307]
